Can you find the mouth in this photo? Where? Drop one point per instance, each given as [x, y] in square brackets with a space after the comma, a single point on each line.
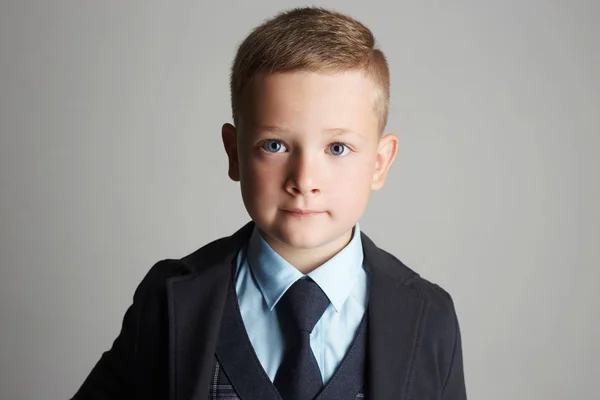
[301, 212]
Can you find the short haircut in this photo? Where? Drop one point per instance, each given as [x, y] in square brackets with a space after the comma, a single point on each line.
[310, 39]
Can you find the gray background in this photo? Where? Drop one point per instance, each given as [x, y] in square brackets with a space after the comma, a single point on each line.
[110, 159]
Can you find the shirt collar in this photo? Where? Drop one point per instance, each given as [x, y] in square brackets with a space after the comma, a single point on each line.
[274, 275]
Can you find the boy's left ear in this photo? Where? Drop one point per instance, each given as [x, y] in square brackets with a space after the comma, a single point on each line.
[386, 154]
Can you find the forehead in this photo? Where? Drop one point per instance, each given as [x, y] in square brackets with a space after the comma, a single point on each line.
[309, 101]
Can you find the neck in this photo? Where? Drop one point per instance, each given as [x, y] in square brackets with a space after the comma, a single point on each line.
[307, 260]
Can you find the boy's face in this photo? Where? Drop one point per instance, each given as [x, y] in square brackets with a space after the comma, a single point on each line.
[308, 153]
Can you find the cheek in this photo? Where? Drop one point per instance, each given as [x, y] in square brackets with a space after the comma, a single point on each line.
[260, 179]
[352, 183]
[360, 172]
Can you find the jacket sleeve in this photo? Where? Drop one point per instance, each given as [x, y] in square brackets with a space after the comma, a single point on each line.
[454, 387]
[112, 376]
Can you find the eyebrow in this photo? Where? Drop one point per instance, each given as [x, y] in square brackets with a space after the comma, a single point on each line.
[273, 129]
[342, 131]
[330, 131]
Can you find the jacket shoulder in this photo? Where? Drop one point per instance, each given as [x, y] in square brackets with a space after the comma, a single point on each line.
[436, 296]
[190, 264]
[440, 340]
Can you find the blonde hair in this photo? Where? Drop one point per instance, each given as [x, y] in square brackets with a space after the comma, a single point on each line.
[310, 39]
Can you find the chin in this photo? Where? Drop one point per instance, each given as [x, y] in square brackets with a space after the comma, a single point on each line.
[293, 236]
[304, 237]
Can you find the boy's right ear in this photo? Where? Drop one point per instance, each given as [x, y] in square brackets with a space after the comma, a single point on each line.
[229, 135]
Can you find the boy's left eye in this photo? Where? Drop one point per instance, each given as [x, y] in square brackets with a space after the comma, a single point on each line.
[338, 149]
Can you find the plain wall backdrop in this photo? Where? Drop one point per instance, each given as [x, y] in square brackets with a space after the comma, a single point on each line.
[111, 159]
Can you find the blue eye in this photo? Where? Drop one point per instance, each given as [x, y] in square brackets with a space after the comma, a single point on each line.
[338, 149]
[273, 146]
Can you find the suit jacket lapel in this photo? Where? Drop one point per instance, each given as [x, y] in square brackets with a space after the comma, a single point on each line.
[394, 314]
[196, 303]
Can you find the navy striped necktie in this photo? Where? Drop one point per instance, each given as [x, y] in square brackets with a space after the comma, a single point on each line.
[299, 376]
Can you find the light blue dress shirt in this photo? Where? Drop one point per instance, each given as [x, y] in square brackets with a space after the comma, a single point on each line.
[262, 278]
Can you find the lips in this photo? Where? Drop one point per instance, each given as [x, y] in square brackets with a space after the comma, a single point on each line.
[301, 211]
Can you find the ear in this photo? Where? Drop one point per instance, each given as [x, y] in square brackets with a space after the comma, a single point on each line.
[386, 154]
[229, 135]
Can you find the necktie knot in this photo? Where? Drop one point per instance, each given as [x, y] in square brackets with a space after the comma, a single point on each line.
[303, 304]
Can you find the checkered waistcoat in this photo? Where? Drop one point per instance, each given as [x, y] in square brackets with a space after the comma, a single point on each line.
[238, 373]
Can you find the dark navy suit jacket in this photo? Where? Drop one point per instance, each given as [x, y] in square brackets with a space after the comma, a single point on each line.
[166, 347]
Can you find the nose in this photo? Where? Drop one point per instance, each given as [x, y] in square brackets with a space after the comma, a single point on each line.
[303, 176]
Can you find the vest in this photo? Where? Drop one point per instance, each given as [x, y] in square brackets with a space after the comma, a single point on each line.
[238, 374]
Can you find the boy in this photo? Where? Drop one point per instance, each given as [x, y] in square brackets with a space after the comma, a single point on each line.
[298, 304]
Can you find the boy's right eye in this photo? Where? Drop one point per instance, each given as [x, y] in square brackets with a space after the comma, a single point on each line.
[273, 146]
